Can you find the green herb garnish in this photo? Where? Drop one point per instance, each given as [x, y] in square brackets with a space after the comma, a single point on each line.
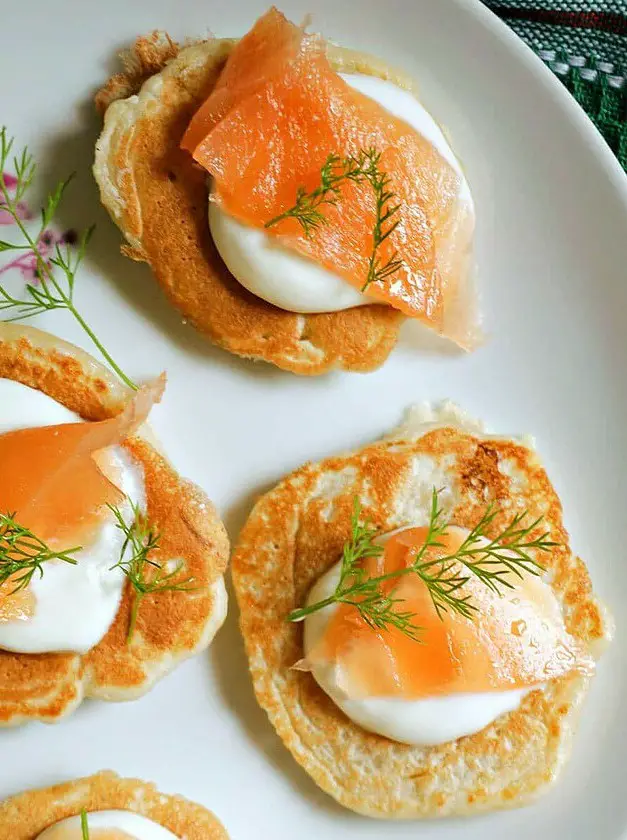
[335, 172]
[145, 575]
[23, 554]
[493, 560]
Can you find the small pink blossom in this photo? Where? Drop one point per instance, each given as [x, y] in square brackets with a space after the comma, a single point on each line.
[23, 211]
[28, 264]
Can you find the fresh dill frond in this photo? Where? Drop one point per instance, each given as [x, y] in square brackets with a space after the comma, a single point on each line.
[441, 576]
[145, 575]
[335, 172]
[84, 825]
[355, 587]
[383, 227]
[492, 560]
[23, 554]
[56, 276]
[306, 211]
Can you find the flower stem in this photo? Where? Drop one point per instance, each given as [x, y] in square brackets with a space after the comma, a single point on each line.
[106, 356]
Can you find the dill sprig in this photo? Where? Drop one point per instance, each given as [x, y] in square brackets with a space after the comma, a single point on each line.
[55, 277]
[355, 587]
[84, 825]
[335, 172]
[306, 210]
[492, 560]
[144, 574]
[380, 182]
[23, 554]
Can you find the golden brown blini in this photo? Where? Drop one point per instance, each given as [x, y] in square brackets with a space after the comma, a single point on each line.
[296, 532]
[171, 626]
[25, 816]
[158, 198]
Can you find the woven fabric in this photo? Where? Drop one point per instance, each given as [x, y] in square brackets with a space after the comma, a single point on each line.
[585, 44]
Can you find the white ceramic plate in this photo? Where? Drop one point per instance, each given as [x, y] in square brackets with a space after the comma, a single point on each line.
[552, 250]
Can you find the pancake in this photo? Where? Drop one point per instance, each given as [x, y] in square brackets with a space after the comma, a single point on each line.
[158, 198]
[297, 531]
[171, 626]
[26, 815]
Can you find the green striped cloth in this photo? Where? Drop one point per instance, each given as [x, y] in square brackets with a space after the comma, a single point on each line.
[585, 44]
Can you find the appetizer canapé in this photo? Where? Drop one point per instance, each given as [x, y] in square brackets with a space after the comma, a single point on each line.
[105, 807]
[335, 201]
[111, 565]
[417, 627]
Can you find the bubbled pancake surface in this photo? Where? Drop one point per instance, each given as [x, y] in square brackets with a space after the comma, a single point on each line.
[157, 196]
[25, 816]
[171, 626]
[296, 532]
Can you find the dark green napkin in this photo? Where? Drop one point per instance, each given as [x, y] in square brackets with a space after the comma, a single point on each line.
[585, 44]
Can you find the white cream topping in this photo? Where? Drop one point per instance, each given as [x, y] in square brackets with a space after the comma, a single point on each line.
[294, 282]
[134, 825]
[425, 722]
[74, 604]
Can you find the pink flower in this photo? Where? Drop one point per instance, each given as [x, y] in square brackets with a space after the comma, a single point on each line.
[27, 263]
[23, 210]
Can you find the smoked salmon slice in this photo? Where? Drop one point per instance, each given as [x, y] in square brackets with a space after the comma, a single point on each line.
[515, 640]
[271, 127]
[260, 55]
[51, 480]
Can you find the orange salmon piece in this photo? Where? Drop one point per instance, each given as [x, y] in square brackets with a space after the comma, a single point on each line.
[517, 640]
[258, 56]
[276, 138]
[51, 480]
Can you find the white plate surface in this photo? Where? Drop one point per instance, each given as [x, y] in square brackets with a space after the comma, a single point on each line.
[552, 250]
